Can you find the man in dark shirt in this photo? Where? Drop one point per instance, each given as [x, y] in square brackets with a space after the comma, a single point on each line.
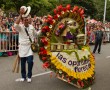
[98, 39]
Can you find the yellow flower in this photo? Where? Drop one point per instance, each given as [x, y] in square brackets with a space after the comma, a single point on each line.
[53, 61]
[53, 57]
[83, 49]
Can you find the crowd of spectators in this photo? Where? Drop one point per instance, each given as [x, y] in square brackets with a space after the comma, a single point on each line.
[8, 34]
[92, 27]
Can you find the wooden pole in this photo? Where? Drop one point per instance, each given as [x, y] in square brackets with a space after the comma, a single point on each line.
[16, 64]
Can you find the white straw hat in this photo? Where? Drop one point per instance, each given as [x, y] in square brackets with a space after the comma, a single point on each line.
[26, 10]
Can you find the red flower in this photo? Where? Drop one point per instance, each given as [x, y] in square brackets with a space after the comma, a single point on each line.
[55, 17]
[44, 52]
[68, 7]
[59, 13]
[42, 48]
[68, 80]
[82, 16]
[64, 9]
[44, 41]
[67, 43]
[44, 58]
[46, 65]
[55, 11]
[45, 29]
[49, 16]
[79, 10]
[81, 83]
[59, 8]
[75, 8]
[50, 21]
[40, 53]
[45, 20]
[61, 26]
[82, 12]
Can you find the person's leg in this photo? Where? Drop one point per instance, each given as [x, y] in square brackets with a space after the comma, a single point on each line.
[95, 47]
[100, 42]
[30, 65]
[23, 67]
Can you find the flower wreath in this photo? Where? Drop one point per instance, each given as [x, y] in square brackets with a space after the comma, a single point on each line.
[62, 35]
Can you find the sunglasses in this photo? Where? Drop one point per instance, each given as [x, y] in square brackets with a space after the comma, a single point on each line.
[25, 19]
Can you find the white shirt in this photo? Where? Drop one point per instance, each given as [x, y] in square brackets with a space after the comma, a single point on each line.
[24, 42]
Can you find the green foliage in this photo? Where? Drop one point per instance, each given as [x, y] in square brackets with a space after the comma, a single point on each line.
[53, 39]
[88, 5]
[100, 7]
[94, 8]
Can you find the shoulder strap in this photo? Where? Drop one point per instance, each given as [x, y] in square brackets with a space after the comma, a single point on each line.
[28, 34]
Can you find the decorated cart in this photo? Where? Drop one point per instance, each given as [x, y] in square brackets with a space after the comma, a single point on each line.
[63, 49]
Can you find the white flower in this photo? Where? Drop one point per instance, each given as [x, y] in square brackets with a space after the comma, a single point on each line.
[68, 11]
[58, 15]
[50, 26]
[62, 12]
[54, 21]
[71, 11]
[45, 47]
[60, 71]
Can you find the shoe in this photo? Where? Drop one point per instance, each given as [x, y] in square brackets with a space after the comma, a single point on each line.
[98, 52]
[29, 80]
[20, 80]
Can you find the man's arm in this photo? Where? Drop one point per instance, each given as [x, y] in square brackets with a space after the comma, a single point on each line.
[21, 11]
[16, 25]
[18, 19]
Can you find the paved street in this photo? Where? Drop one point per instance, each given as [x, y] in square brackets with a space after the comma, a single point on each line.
[43, 81]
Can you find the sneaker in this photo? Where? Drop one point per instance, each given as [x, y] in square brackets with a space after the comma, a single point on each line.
[20, 80]
[29, 80]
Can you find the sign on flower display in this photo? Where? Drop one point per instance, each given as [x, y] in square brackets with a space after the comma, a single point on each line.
[62, 48]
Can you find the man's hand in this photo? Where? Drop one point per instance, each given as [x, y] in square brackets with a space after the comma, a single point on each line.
[22, 11]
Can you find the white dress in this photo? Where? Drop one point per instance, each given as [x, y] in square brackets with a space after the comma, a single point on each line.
[24, 42]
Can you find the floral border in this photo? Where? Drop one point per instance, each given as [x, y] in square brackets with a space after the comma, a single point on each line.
[82, 80]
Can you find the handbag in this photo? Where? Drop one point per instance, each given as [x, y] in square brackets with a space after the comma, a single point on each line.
[34, 46]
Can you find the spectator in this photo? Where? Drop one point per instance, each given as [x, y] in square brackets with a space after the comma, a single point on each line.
[98, 39]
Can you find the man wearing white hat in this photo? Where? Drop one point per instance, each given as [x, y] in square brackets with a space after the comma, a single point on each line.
[25, 51]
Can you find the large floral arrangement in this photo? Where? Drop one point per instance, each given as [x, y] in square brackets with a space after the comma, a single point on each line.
[60, 49]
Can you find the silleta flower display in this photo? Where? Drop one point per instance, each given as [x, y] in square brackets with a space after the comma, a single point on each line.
[62, 46]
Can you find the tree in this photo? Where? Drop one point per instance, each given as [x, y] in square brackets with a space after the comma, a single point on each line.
[88, 5]
[38, 6]
[93, 8]
[8, 4]
[100, 7]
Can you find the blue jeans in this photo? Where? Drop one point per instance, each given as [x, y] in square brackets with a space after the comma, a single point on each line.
[29, 60]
